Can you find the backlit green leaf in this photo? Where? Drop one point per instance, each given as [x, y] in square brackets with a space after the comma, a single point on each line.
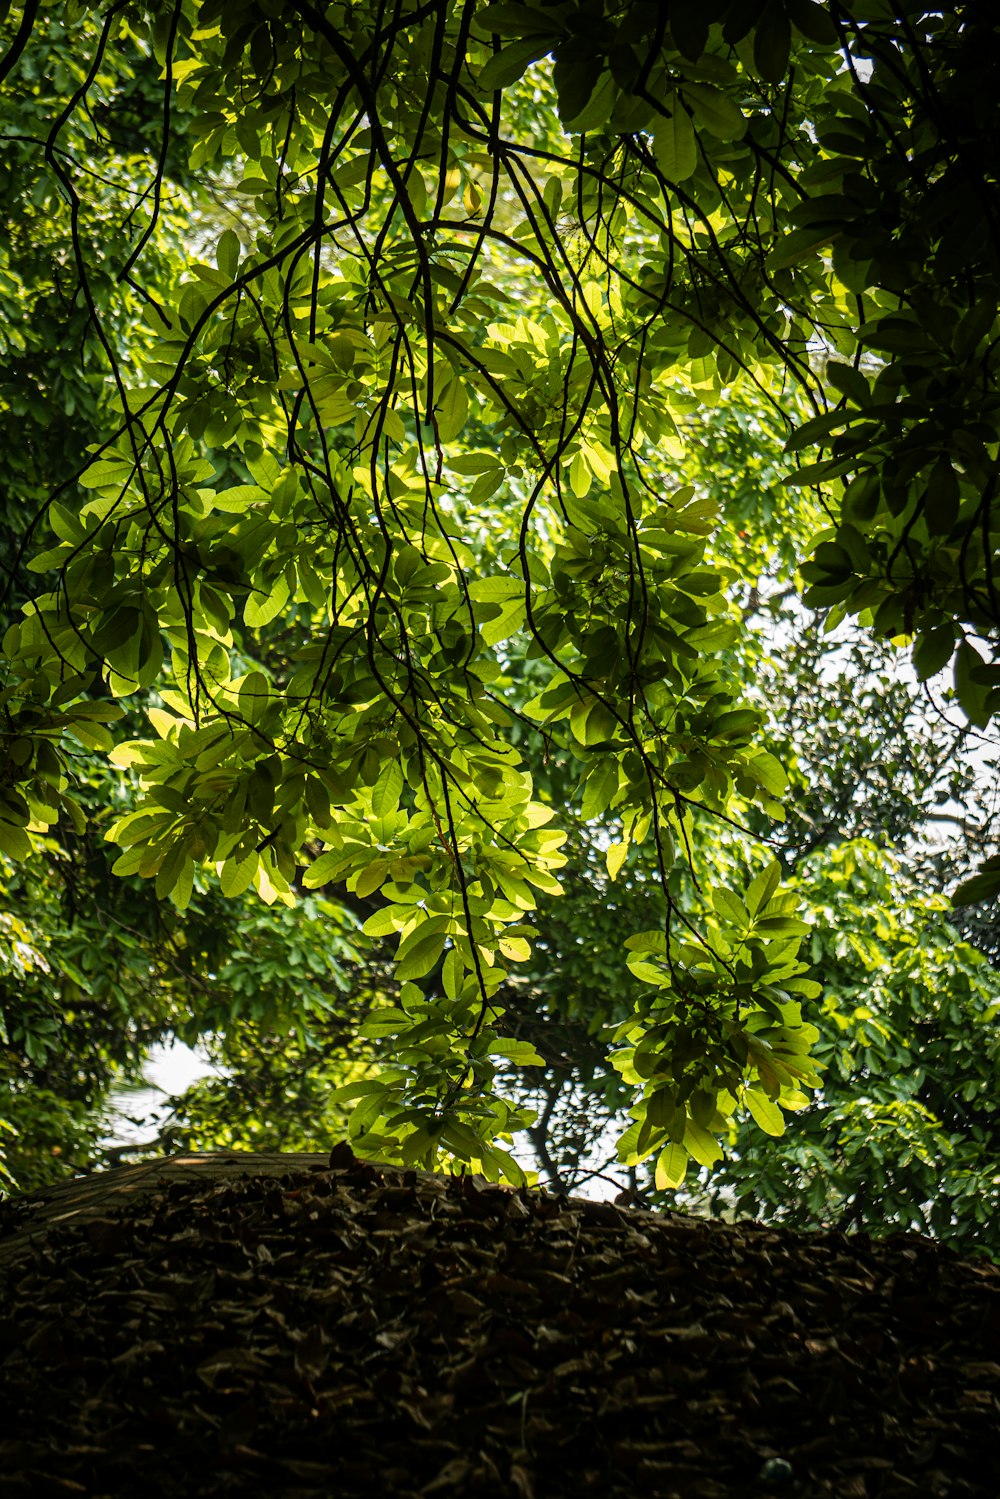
[715, 111]
[675, 143]
[765, 1112]
[671, 1167]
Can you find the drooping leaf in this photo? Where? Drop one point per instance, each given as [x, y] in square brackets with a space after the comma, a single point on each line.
[765, 1112]
[671, 1167]
[675, 143]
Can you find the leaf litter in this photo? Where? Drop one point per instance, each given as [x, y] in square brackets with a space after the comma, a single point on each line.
[303, 1325]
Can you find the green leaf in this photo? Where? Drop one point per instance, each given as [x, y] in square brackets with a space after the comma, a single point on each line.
[521, 1053]
[597, 110]
[701, 1144]
[600, 724]
[740, 19]
[419, 952]
[600, 788]
[254, 696]
[372, 878]
[385, 1022]
[511, 19]
[813, 21]
[510, 619]
[982, 886]
[496, 589]
[782, 926]
[183, 886]
[14, 841]
[452, 410]
[715, 111]
[170, 870]
[263, 605]
[575, 74]
[227, 254]
[452, 973]
[324, 869]
[675, 144]
[689, 25]
[387, 789]
[932, 650]
[799, 245]
[113, 473]
[730, 907]
[942, 498]
[768, 772]
[66, 524]
[580, 477]
[615, 858]
[382, 923]
[970, 689]
[507, 65]
[487, 485]
[237, 873]
[765, 1112]
[772, 43]
[762, 887]
[360, 1088]
[652, 940]
[661, 1107]
[238, 498]
[671, 1167]
[850, 381]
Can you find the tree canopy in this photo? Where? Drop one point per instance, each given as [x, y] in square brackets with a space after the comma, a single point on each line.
[357, 485]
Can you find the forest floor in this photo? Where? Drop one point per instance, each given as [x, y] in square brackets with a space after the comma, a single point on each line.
[301, 1326]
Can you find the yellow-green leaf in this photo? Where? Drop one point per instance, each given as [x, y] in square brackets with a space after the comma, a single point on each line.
[702, 1144]
[387, 790]
[615, 858]
[671, 1167]
[237, 873]
[14, 841]
[227, 254]
[263, 605]
[372, 878]
[765, 1111]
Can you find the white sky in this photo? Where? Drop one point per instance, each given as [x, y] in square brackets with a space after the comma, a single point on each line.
[134, 1115]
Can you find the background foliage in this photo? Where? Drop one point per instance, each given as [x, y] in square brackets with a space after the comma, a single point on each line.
[420, 425]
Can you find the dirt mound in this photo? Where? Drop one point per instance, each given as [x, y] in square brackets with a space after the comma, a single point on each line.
[289, 1325]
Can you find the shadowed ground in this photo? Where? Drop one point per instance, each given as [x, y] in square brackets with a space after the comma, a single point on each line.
[310, 1326]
